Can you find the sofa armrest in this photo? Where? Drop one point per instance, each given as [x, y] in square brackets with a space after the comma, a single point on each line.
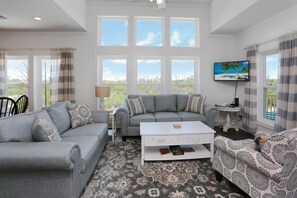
[24, 156]
[247, 155]
[210, 112]
[100, 116]
[122, 114]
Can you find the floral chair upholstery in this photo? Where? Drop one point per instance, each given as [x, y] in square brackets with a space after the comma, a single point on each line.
[270, 173]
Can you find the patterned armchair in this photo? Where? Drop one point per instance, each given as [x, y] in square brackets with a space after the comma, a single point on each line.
[270, 173]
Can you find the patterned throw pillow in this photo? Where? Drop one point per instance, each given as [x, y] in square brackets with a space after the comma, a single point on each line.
[80, 115]
[136, 106]
[44, 131]
[195, 104]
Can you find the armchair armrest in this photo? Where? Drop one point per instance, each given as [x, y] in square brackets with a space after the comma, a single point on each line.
[241, 151]
[100, 116]
[122, 114]
[210, 112]
[24, 156]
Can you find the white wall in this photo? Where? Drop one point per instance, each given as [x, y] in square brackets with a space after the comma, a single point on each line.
[211, 49]
[223, 11]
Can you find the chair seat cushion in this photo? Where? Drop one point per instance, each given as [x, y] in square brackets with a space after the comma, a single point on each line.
[88, 146]
[167, 117]
[189, 116]
[148, 117]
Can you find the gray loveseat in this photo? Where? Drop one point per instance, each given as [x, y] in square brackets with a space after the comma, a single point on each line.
[162, 108]
[47, 169]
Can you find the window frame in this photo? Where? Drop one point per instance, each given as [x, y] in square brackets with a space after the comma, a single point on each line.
[99, 27]
[148, 18]
[197, 30]
[261, 100]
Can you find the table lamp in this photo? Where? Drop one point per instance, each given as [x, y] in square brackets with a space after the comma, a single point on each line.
[102, 91]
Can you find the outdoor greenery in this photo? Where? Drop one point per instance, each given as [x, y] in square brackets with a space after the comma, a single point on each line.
[234, 65]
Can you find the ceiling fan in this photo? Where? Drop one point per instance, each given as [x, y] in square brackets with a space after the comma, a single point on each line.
[157, 4]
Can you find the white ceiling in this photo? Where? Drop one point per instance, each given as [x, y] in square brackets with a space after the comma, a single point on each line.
[20, 13]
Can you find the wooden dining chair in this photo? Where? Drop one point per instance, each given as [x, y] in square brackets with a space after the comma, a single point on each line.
[22, 103]
[8, 107]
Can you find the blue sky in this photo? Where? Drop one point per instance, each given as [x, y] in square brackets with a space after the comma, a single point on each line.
[16, 69]
[272, 62]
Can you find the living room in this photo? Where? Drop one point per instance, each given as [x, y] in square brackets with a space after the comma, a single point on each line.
[223, 31]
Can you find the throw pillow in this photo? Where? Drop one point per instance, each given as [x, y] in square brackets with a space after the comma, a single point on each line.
[195, 104]
[44, 131]
[136, 106]
[80, 114]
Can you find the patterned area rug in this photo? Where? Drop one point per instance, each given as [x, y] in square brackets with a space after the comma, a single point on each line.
[120, 174]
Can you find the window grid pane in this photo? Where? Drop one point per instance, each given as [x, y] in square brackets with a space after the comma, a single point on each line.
[45, 77]
[114, 32]
[114, 74]
[183, 33]
[149, 32]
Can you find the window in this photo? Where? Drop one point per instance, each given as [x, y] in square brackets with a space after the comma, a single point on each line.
[149, 76]
[149, 32]
[270, 79]
[17, 76]
[113, 31]
[114, 74]
[182, 76]
[45, 65]
[183, 32]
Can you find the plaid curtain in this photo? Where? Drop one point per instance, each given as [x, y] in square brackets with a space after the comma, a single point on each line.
[2, 74]
[250, 94]
[286, 114]
[62, 75]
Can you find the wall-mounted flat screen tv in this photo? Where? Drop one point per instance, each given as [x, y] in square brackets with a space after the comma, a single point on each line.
[232, 70]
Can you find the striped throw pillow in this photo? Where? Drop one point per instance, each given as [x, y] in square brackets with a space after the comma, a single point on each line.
[136, 106]
[195, 104]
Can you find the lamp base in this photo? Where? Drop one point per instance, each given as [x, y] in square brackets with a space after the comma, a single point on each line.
[101, 104]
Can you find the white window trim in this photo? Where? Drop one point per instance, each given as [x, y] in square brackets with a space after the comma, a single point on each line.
[146, 18]
[197, 32]
[99, 36]
[196, 71]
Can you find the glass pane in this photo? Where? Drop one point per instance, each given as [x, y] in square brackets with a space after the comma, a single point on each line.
[17, 77]
[182, 76]
[46, 69]
[270, 103]
[114, 74]
[272, 67]
[148, 32]
[183, 33]
[114, 32]
[149, 76]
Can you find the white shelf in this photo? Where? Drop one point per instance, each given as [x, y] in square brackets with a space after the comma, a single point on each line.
[153, 153]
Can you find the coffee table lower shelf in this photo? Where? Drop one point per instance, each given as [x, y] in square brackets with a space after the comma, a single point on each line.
[152, 153]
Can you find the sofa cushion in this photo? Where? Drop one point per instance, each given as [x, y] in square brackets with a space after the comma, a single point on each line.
[44, 131]
[167, 117]
[60, 115]
[189, 116]
[148, 101]
[195, 104]
[96, 129]
[182, 100]
[136, 106]
[88, 147]
[148, 117]
[165, 103]
[80, 115]
[18, 128]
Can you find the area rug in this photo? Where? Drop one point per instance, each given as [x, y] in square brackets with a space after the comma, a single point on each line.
[120, 174]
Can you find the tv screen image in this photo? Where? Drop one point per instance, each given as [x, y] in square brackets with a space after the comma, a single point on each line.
[232, 70]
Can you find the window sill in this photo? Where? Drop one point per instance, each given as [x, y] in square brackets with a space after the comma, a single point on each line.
[266, 124]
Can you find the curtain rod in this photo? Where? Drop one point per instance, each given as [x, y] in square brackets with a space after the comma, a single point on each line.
[272, 40]
[35, 48]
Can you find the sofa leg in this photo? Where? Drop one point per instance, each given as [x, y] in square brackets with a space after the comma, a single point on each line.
[219, 177]
[124, 138]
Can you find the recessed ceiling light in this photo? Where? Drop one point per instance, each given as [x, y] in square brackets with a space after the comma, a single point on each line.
[37, 18]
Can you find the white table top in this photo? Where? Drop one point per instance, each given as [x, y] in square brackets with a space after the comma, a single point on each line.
[166, 128]
[229, 109]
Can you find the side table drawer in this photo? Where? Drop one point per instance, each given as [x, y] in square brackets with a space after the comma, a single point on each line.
[160, 140]
[194, 139]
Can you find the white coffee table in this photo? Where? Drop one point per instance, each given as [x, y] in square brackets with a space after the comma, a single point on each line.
[156, 135]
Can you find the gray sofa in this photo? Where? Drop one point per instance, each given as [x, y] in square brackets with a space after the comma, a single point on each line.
[161, 108]
[48, 169]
